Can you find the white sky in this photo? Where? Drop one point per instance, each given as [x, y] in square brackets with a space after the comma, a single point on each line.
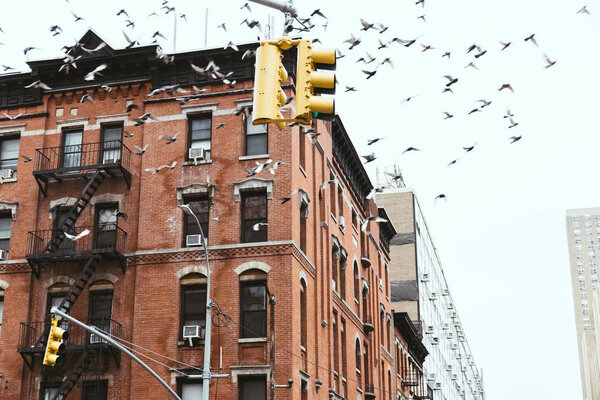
[501, 234]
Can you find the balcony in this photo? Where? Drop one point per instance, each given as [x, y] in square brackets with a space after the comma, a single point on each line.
[76, 161]
[108, 240]
[368, 325]
[79, 339]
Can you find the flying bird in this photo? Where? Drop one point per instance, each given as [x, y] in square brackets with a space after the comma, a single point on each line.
[350, 89]
[448, 115]
[273, 167]
[474, 111]
[512, 123]
[365, 222]
[86, 97]
[131, 106]
[12, 117]
[92, 74]
[484, 102]
[27, 159]
[288, 198]
[583, 10]
[221, 125]
[140, 150]
[248, 53]
[257, 226]
[410, 149]
[506, 86]
[472, 65]
[446, 54]
[259, 167]
[369, 73]
[246, 6]
[549, 63]
[504, 45]
[426, 47]
[222, 26]
[532, 39]
[451, 80]
[372, 141]
[319, 13]
[353, 42]
[326, 183]
[122, 11]
[514, 139]
[369, 158]
[451, 163]
[169, 139]
[106, 88]
[57, 30]
[469, 148]
[365, 25]
[83, 233]
[28, 49]
[508, 114]
[440, 196]
[77, 17]
[375, 190]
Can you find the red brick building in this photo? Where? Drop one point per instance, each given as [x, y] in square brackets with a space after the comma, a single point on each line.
[300, 272]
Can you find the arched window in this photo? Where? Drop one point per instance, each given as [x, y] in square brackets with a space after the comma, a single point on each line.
[303, 314]
[253, 304]
[356, 282]
[357, 360]
[193, 306]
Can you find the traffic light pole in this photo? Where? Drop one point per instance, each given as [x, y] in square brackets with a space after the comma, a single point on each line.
[285, 7]
[114, 343]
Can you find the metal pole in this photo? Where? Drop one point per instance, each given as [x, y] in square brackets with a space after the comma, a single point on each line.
[95, 331]
[208, 321]
[206, 28]
[285, 7]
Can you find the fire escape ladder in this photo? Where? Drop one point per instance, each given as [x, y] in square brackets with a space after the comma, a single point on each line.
[71, 380]
[74, 292]
[69, 223]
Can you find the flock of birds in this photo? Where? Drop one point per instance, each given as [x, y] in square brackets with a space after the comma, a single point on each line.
[369, 66]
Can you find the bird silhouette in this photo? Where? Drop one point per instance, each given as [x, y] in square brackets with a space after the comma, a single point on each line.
[514, 139]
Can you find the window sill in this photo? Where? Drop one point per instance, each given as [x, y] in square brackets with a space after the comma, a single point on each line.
[8, 180]
[192, 163]
[253, 157]
[333, 217]
[253, 340]
[185, 343]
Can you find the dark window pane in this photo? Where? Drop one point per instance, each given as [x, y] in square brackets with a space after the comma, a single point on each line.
[111, 145]
[254, 211]
[255, 206]
[95, 390]
[253, 306]
[253, 389]
[200, 128]
[199, 205]
[194, 305]
[256, 144]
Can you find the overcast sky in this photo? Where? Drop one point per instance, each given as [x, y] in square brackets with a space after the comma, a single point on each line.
[501, 232]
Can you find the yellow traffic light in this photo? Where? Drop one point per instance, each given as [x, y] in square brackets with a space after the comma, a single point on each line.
[310, 83]
[268, 95]
[55, 347]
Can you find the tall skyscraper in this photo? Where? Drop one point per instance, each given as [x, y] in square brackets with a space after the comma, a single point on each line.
[583, 238]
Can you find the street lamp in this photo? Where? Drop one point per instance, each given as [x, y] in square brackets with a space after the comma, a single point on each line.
[206, 368]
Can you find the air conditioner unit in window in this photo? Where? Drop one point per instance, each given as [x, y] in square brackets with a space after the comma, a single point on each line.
[454, 377]
[429, 329]
[425, 278]
[342, 223]
[94, 339]
[191, 332]
[3, 255]
[448, 367]
[197, 153]
[438, 385]
[6, 173]
[193, 240]
[433, 296]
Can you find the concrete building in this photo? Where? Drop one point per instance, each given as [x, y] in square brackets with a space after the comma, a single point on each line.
[419, 289]
[583, 238]
[306, 290]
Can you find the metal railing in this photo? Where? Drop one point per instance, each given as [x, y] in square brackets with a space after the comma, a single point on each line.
[102, 238]
[80, 157]
[29, 332]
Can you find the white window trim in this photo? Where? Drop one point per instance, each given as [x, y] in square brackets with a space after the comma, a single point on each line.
[250, 184]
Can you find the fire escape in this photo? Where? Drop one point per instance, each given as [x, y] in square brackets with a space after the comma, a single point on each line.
[91, 163]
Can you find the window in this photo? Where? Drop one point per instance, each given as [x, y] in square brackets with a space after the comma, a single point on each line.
[200, 128]
[302, 147]
[303, 219]
[49, 390]
[9, 152]
[252, 388]
[106, 225]
[340, 201]
[199, 206]
[111, 143]
[5, 224]
[253, 305]
[1, 310]
[95, 390]
[356, 282]
[72, 142]
[190, 389]
[254, 217]
[60, 215]
[256, 138]
[354, 219]
[357, 360]
[100, 310]
[332, 194]
[335, 256]
[343, 263]
[336, 348]
[343, 347]
[193, 303]
[303, 315]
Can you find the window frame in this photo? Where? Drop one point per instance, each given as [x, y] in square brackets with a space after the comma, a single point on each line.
[6, 215]
[250, 378]
[190, 220]
[103, 386]
[3, 139]
[247, 121]
[244, 332]
[246, 224]
[103, 148]
[189, 141]
[182, 314]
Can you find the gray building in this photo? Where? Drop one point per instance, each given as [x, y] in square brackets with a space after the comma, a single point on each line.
[419, 287]
[583, 238]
